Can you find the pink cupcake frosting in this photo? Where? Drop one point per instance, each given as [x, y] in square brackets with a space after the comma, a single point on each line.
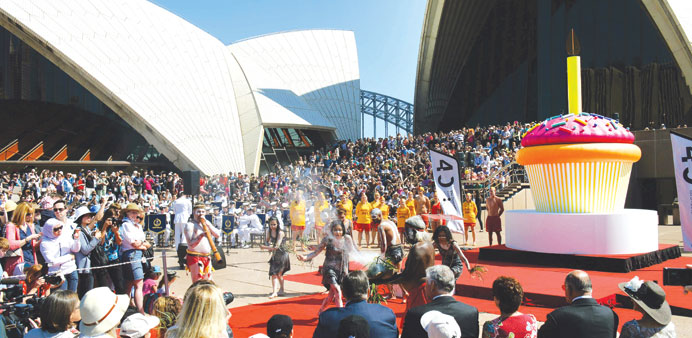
[580, 128]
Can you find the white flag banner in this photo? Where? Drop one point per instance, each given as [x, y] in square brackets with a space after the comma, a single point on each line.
[445, 170]
[682, 161]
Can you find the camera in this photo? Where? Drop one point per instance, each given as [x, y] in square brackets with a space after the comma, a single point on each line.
[228, 297]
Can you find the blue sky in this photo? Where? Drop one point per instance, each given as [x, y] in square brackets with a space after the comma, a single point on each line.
[387, 31]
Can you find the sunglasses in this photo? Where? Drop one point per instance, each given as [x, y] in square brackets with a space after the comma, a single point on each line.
[58, 209]
[57, 229]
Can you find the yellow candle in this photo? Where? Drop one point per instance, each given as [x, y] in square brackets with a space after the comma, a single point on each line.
[574, 84]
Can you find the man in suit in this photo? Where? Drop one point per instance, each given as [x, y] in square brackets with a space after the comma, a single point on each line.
[355, 288]
[439, 288]
[584, 317]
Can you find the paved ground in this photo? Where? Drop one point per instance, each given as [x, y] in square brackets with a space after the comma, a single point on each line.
[247, 275]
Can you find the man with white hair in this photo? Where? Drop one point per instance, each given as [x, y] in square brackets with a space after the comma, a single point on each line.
[439, 288]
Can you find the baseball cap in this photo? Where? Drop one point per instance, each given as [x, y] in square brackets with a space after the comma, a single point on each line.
[440, 325]
[279, 324]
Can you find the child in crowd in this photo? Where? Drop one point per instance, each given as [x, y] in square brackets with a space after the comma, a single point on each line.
[151, 279]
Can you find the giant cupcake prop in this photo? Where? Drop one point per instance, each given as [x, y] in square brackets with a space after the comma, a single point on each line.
[578, 163]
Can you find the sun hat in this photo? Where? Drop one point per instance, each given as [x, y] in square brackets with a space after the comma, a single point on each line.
[132, 207]
[279, 324]
[650, 297]
[82, 211]
[440, 325]
[138, 325]
[101, 311]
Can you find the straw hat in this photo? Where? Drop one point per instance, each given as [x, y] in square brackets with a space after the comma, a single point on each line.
[650, 297]
[101, 311]
[132, 207]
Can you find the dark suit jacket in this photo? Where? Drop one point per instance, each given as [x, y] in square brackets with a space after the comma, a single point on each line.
[583, 318]
[381, 319]
[465, 315]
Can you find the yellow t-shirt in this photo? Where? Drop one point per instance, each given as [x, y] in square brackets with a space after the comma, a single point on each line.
[402, 213]
[298, 213]
[319, 207]
[383, 207]
[470, 210]
[363, 212]
[348, 205]
[411, 205]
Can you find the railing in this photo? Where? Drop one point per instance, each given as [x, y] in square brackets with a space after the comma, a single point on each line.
[513, 172]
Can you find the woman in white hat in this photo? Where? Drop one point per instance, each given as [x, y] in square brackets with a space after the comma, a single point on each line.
[650, 300]
[101, 311]
[88, 240]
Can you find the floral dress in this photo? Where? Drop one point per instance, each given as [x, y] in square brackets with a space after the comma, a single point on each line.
[521, 326]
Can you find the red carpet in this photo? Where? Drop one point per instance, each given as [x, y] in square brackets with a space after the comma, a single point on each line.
[543, 285]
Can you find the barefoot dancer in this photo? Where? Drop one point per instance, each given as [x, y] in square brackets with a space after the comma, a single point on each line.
[335, 265]
[279, 262]
[452, 256]
[493, 223]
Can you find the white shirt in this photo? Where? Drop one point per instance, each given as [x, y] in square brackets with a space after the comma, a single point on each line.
[131, 232]
[249, 221]
[182, 207]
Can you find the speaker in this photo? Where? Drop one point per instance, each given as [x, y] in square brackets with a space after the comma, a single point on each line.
[191, 182]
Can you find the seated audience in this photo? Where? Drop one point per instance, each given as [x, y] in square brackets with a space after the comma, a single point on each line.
[649, 299]
[102, 311]
[439, 289]
[354, 326]
[138, 326]
[59, 314]
[583, 317]
[204, 314]
[381, 320]
[508, 294]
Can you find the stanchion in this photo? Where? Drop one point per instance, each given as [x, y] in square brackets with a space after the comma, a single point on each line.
[165, 272]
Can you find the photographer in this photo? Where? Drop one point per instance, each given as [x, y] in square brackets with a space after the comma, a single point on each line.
[59, 315]
[58, 251]
[133, 244]
[110, 241]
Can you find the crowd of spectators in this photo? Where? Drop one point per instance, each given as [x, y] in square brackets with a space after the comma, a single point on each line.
[92, 205]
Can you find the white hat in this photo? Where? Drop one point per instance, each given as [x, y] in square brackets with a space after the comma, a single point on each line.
[137, 325]
[101, 311]
[440, 325]
[81, 211]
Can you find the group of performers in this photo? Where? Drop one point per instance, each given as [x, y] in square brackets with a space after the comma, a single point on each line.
[335, 239]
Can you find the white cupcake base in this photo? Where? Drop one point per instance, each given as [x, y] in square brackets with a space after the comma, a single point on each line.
[628, 231]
